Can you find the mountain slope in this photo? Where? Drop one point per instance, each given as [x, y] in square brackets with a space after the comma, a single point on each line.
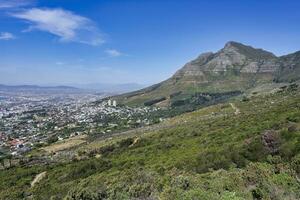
[211, 154]
[236, 67]
[289, 70]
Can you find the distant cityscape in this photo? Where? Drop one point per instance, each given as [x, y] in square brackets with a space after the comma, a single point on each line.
[32, 119]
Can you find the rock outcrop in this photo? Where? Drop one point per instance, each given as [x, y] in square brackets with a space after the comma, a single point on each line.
[234, 57]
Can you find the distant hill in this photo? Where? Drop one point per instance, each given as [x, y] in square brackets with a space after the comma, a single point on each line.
[236, 67]
[111, 88]
[35, 88]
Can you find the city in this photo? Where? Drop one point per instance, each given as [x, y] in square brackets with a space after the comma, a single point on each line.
[30, 120]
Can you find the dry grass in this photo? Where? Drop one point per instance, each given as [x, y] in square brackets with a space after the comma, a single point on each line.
[66, 144]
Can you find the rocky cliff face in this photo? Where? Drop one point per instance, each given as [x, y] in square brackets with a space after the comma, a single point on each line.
[289, 69]
[234, 57]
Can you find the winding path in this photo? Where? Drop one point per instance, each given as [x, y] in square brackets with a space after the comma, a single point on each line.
[38, 178]
[237, 110]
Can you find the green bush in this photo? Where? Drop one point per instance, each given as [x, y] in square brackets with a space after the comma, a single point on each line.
[87, 193]
[84, 169]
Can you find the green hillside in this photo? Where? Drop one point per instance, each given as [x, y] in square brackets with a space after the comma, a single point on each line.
[243, 149]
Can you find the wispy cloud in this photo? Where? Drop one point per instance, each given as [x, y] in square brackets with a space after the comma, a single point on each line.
[7, 36]
[5, 4]
[113, 52]
[60, 63]
[68, 26]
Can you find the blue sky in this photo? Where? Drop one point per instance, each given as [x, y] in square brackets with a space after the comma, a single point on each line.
[142, 41]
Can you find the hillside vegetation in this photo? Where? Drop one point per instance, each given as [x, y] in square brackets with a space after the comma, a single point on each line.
[212, 153]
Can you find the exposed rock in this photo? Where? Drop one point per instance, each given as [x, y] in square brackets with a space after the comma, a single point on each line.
[135, 141]
[233, 57]
[38, 178]
[271, 141]
[289, 69]
[236, 109]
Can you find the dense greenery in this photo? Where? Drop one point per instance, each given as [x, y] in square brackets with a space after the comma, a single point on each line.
[154, 101]
[212, 153]
[197, 100]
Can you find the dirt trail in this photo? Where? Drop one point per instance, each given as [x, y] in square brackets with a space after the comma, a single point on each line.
[134, 142]
[237, 110]
[38, 178]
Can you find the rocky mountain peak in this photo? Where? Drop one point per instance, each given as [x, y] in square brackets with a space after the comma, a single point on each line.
[248, 51]
[231, 44]
[234, 57]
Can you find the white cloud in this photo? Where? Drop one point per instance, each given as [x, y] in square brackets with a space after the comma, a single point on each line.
[5, 4]
[6, 36]
[68, 26]
[113, 52]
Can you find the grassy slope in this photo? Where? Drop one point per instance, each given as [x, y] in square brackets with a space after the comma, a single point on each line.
[208, 154]
[215, 84]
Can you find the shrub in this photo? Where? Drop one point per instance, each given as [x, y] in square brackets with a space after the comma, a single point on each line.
[86, 168]
[257, 193]
[245, 98]
[181, 182]
[107, 149]
[296, 164]
[154, 101]
[87, 193]
[52, 139]
[295, 117]
[125, 142]
[212, 160]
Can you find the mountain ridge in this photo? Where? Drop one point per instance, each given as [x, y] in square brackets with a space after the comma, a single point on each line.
[235, 67]
[3, 86]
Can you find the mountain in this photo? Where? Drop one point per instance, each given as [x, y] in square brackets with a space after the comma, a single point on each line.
[111, 88]
[289, 68]
[236, 67]
[34, 88]
[108, 88]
